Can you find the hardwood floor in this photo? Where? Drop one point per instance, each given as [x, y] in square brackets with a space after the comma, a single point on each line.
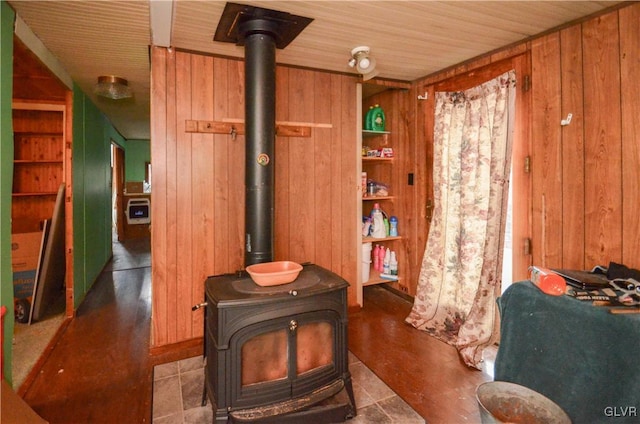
[100, 371]
[422, 370]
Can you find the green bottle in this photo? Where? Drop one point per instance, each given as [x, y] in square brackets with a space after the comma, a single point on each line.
[367, 119]
[377, 119]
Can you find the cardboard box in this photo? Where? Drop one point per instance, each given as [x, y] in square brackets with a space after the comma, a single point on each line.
[133, 187]
[25, 251]
[25, 255]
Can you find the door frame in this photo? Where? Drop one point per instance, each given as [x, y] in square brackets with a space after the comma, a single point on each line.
[117, 188]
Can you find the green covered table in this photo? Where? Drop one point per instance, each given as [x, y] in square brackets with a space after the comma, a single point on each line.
[582, 357]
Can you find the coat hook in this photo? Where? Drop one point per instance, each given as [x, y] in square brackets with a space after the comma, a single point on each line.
[566, 121]
[233, 133]
[423, 97]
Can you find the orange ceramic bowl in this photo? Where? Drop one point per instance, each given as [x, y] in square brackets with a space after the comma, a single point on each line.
[274, 273]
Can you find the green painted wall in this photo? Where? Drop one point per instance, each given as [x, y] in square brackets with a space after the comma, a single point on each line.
[92, 135]
[136, 154]
[6, 178]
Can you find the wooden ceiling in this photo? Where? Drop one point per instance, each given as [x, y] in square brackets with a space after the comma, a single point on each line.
[409, 39]
[32, 80]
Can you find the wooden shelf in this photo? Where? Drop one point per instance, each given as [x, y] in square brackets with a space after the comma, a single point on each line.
[34, 194]
[378, 240]
[378, 280]
[38, 133]
[370, 133]
[376, 159]
[376, 198]
[35, 162]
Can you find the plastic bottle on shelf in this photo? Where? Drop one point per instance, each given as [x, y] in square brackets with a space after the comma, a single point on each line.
[364, 184]
[393, 226]
[381, 254]
[386, 227]
[393, 264]
[386, 263]
[367, 119]
[376, 257]
[366, 226]
[377, 119]
[377, 221]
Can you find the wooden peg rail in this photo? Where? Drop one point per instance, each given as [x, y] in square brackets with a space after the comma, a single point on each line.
[283, 129]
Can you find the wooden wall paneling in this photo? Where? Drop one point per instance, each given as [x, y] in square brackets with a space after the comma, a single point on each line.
[38, 120]
[37, 178]
[177, 110]
[183, 196]
[302, 176]
[603, 194]
[323, 157]
[221, 165]
[236, 175]
[630, 92]
[202, 182]
[405, 164]
[394, 107]
[283, 212]
[573, 189]
[521, 183]
[160, 312]
[28, 212]
[423, 180]
[349, 186]
[545, 152]
[337, 146]
[68, 212]
[38, 146]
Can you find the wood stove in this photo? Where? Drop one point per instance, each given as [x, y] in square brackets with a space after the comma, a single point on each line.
[274, 354]
[279, 353]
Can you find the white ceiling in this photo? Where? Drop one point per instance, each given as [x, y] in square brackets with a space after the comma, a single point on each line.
[408, 39]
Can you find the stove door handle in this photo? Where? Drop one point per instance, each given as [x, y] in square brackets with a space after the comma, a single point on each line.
[198, 306]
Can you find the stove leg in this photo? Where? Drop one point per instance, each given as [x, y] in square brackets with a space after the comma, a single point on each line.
[349, 388]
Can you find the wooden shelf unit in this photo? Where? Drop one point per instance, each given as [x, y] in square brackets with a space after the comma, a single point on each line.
[38, 165]
[381, 173]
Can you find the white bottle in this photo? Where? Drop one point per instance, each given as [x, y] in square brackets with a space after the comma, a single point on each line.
[386, 264]
[393, 264]
[377, 222]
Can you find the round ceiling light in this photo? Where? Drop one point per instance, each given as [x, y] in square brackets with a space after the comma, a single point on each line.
[112, 87]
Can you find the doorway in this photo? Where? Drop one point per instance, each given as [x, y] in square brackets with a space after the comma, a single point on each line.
[117, 188]
[41, 218]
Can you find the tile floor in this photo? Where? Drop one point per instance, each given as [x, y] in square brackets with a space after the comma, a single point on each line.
[177, 393]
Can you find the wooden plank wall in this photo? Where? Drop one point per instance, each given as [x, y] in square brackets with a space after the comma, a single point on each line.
[198, 189]
[586, 174]
[584, 186]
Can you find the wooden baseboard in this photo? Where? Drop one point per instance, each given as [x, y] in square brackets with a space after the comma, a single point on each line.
[176, 351]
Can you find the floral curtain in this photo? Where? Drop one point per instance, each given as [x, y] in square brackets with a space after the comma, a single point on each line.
[462, 265]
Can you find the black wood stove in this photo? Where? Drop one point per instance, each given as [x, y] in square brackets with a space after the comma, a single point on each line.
[273, 354]
[278, 354]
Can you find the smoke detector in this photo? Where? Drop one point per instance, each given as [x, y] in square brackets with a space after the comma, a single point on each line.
[363, 62]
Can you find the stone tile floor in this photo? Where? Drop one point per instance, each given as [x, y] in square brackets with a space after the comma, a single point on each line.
[177, 395]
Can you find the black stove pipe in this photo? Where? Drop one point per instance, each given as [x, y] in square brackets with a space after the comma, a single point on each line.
[260, 132]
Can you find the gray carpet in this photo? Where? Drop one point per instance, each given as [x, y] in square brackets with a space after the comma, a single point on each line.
[177, 393]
